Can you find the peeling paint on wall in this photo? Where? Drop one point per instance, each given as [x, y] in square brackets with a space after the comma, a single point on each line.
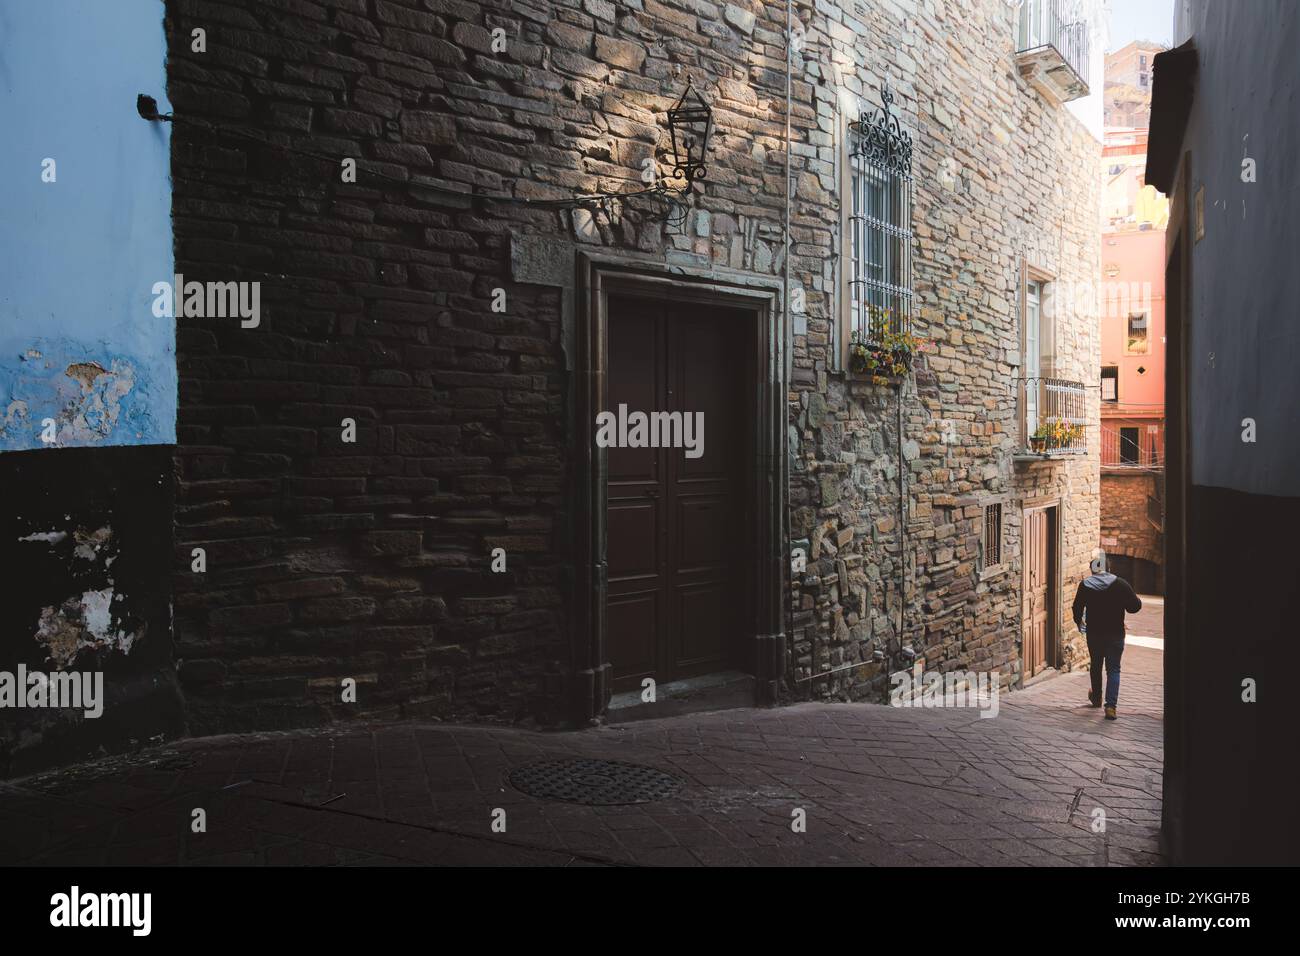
[84, 620]
[49, 537]
[93, 417]
[85, 372]
[89, 543]
[91, 401]
[86, 549]
[79, 254]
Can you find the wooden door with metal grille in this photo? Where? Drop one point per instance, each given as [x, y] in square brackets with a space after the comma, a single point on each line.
[1039, 604]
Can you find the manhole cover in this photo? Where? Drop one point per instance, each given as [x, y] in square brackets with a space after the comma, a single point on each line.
[594, 782]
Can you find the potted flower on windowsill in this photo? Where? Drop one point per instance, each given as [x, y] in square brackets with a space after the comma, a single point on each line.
[1066, 435]
[885, 356]
[1038, 440]
[1054, 434]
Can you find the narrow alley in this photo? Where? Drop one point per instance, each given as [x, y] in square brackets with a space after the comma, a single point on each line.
[647, 434]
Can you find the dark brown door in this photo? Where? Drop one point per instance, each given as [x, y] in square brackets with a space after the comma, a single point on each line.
[1038, 589]
[676, 526]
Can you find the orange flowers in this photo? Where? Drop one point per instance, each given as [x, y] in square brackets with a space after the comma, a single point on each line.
[1057, 433]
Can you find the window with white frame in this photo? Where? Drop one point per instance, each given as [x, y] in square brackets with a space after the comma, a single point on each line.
[1033, 351]
[1110, 383]
[1042, 394]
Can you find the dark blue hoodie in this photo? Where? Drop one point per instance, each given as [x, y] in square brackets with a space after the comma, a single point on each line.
[1105, 598]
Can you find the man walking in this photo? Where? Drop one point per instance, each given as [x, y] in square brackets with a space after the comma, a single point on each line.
[1099, 608]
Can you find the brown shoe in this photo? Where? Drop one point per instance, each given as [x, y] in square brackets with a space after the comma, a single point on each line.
[1110, 714]
[1094, 700]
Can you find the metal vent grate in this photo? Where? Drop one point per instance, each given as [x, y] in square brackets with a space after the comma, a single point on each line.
[594, 782]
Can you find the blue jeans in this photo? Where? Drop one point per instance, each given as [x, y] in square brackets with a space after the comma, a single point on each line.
[1106, 651]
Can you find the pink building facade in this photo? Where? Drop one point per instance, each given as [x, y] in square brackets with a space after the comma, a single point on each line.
[1132, 364]
[1132, 344]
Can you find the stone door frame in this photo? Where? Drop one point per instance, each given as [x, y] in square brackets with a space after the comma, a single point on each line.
[598, 275]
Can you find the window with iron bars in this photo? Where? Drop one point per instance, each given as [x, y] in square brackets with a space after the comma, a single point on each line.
[992, 535]
[880, 226]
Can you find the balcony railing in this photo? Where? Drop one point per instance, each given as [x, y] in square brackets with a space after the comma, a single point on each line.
[1053, 47]
[1053, 417]
[1132, 444]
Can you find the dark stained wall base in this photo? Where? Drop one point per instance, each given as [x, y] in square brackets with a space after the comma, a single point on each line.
[1238, 790]
[86, 559]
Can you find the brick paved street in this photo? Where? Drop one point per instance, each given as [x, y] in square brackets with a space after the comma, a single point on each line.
[880, 786]
[1150, 621]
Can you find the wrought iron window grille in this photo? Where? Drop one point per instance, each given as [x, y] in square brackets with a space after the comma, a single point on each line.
[880, 225]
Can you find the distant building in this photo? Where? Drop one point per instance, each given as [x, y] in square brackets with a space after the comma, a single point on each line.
[1127, 202]
[1127, 91]
[1134, 215]
[1132, 64]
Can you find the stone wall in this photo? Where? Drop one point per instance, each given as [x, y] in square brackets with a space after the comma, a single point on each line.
[368, 560]
[1003, 181]
[371, 560]
[1124, 526]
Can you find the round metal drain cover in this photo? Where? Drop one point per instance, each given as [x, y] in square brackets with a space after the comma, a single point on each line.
[594, 782]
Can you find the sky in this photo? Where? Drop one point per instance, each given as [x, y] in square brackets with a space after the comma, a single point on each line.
[1140, 20]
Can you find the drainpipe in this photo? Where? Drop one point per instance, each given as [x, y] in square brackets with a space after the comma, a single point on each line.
[902, 523]
[787, 345]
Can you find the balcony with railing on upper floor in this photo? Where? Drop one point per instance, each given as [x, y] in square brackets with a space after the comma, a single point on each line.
[1053, 48]
[1132, 444]
[1053, 419]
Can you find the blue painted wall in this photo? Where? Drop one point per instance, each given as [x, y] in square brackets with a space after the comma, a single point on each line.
[78, 257]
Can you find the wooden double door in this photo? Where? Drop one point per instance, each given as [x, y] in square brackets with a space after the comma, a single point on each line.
[678, 536]
[1040, 590]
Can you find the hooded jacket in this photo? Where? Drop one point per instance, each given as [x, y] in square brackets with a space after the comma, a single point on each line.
[1105, 597]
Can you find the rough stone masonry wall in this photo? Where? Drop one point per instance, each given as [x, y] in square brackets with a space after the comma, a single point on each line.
[1001, 176]
[370, 560]
[1125, 528]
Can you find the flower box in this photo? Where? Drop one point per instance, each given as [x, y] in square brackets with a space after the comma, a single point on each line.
[886, 357]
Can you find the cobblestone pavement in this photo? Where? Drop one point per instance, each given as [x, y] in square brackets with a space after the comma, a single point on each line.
[878, 785]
